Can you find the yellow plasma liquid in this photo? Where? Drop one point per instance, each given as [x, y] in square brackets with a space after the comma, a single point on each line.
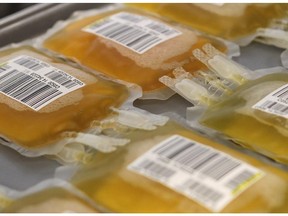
[112, 186]
[255, 129]
[230, 21]
[74, 111]
[119, 62]
[53, 200]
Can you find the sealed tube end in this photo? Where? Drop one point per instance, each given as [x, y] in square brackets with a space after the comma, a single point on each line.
[221, 65]
[139, 120]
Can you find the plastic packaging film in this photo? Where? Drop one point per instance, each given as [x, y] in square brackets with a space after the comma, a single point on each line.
[50, 196]
[239, 22]
[69, 95]
[237, 101]
[177, 170]
[51, 108]
[128, 44]
[259, 103]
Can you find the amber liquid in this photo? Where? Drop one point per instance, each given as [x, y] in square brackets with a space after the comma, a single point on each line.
[229, 27]
[90, 51]
[247, 130]
[113, 187]
[32, 129]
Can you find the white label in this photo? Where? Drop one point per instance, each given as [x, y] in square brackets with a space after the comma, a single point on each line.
[35, 83]
[275, 103]
[218, 4]
[208, 176]
[135, 32]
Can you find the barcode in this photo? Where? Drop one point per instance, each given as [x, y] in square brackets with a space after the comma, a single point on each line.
[133, 31]
[282, 93]
[133, 38]
[201, 173]
[240, 178]
[35, 83]
[202, 192]
[161, 28]
[29, 63]
[155, 169]
[193, 157]
[4, 68]
[99, 24]
[130, 17]
[27, 89]
[61, 79]
[273, 105]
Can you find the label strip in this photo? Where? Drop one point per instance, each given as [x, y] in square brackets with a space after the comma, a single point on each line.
[207, 176]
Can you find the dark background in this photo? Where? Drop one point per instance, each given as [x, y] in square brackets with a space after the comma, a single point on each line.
[10, 8]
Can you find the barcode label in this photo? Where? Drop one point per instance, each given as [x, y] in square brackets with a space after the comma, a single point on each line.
[135, 32]
[157, 170]
[275, 103]
[202, 191]
[35, 83]
[218, 4]
[208, 176]
[4, 67]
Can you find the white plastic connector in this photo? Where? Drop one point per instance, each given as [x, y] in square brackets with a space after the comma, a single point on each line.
[220, 64]
[228, 69]
[140, 120]
[98, 142]
[193, 91]
[276, 37]
[281, 24]
[73, 153]
[213, 81]
[200, 88]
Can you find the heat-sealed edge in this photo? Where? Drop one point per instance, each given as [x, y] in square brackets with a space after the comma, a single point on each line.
[11, 194]
[268, 36]
[36, 152]
[284, 58]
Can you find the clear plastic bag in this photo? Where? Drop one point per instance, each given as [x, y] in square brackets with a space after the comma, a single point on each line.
[129, 45]
[54, 109]
[247, 107]
[238, 22]
[177, 170]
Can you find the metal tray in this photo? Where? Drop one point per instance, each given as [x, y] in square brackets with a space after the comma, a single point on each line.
[18, 172]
